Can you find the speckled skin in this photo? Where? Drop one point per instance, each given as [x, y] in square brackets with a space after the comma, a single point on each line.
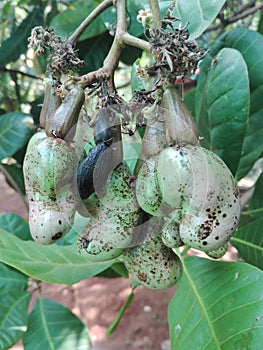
[152, 263]
[49, 167]
[203, 188]
[148, 192]
[118, 215]
[218, 253]
[170, 230]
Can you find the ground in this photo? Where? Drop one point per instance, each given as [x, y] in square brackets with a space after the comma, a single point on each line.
[97, 300]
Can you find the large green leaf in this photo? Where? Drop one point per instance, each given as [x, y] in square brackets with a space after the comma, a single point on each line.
[250, 45]
[199, 14]
[11, 279]
[248, 240]
[217, 305]
[14, 223]
[15, 131]
[17, 43]
[223, 118]
[52, 326]
[53, 264]
[255, 208]
[14, 317]
[67, 21]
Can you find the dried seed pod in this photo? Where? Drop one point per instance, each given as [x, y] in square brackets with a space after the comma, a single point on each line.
[61, 123]
[50, 104]
[180, 125]
[152, 263]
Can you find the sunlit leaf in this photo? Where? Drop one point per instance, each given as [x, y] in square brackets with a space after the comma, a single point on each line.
[53, 326]
[14, 317]
[248, 240]
[53, 264]
[217, 305]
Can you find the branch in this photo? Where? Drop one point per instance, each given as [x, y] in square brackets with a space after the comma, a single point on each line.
[92, 16]
[242, 13]
[6, 70]
[122, 37]
[155, 9]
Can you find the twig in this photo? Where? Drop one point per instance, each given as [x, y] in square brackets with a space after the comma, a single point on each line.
[6, 70]
[232, 19]
[92, 16]
[122, 38]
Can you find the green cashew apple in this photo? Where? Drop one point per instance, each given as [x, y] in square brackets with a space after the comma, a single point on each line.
[200, 185]
[148, 192]
[152, 263]
[49, 165]
[118, 215]
[97, 249]
[218, 253]
[170, 230]
[49, 168]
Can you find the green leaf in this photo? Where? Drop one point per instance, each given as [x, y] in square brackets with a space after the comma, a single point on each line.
[14, 316]
[52, 326]
[15, 171]
[53, 264]
[11, 279]
[250, 45]
[15, 131]
[223, 118]
[15, 224]
[200, 14]
[119, 315]
[98, 48]
[255, 208]
[248, 240]
[67, 21]
[217, 305]
[17, 43]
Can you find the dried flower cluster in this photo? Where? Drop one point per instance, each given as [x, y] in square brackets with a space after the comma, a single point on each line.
[175, 55]
[62, 56]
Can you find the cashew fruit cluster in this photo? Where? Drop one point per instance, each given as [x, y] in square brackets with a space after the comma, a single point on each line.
[179, 194]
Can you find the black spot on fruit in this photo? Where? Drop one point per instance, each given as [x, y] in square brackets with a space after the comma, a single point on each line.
[56, 236]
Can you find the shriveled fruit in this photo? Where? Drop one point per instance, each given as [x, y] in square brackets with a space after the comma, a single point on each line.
[152, 263]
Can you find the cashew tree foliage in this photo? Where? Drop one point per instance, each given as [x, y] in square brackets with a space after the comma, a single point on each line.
[133, 132]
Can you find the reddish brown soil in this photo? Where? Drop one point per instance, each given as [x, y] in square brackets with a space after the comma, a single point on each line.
[97, 300]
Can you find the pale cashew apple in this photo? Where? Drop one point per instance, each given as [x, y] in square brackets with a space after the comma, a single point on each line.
[118, 216]
[152, 263]
[49, 168]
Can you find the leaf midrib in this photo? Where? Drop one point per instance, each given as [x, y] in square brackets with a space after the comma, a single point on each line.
[203, 308]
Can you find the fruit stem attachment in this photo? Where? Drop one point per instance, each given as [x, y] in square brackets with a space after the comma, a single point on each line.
[155, 9]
